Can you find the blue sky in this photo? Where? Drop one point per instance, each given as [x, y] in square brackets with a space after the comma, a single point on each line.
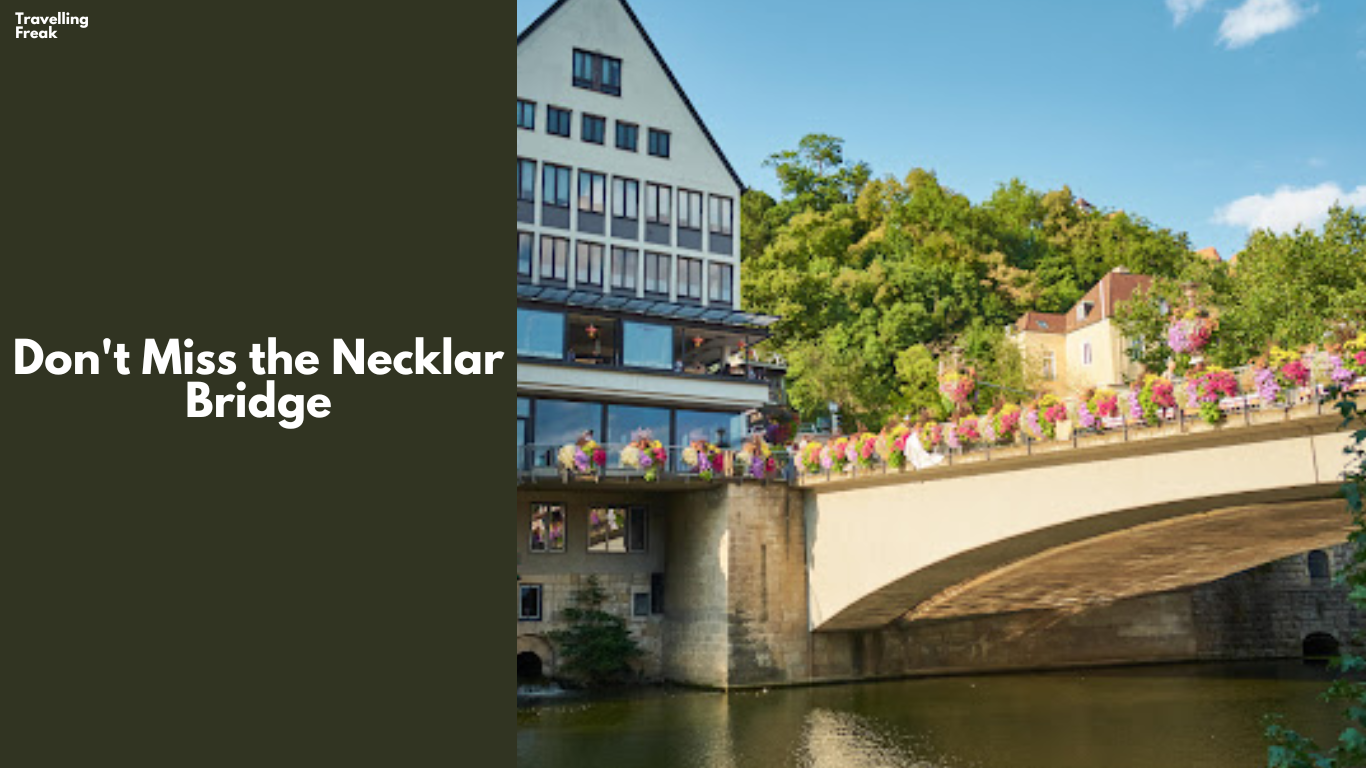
[1206, 116]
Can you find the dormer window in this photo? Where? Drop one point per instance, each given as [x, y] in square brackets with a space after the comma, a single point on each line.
[1084, 310]
[597, 73]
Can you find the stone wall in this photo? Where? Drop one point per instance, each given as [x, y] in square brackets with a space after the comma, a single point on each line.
[697, 557]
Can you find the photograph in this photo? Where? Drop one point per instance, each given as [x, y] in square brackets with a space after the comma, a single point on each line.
[941, 385]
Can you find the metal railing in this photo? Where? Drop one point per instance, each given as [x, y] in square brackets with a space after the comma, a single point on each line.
[541, 463]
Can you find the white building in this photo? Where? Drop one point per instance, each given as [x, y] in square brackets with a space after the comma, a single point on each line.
[628, 284]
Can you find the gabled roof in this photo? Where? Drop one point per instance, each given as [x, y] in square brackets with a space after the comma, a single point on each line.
[663, 65]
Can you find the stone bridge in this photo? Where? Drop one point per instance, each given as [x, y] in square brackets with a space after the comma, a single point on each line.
[1067, 526]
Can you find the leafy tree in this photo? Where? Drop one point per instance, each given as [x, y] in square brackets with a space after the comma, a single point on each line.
[597, 648]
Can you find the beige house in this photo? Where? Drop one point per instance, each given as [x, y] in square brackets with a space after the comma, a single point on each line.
[1083, 347]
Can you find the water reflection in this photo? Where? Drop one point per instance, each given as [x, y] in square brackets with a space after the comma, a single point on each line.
[1201, 716]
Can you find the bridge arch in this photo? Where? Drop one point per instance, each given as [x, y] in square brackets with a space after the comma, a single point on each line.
[982, 539]
[535, 657]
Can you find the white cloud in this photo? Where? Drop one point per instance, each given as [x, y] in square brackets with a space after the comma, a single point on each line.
[1183, 9]
[1288, 207]
[1255, 19]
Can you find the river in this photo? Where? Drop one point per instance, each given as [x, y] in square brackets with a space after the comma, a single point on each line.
[1182, 716]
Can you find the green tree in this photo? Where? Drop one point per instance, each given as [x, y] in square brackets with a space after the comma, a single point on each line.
[597, 648]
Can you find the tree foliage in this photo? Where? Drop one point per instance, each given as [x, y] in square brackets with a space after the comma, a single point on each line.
[596, 648]
[875, 277]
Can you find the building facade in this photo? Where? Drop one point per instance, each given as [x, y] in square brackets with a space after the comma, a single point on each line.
[1083, 347]
[628, 316]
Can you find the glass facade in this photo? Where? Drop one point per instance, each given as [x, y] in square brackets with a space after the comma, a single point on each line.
[727, 430]
[648, 346]
[561, 422]
[540, 334]
[624, 421]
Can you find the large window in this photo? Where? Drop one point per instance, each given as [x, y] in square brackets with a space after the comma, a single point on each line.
[597, 72]
[557, 121]
[592, 340]
[689, 209]
[625, 198]
[540, 334]
[657, 273]
[689, 278]
[547, 528]
[526, 114]
[659, 143]
[592, 192]
[722, 211]
[719, 286]
[526, 180]
[524, 250]
[588, 264]
[554, 258]
[528, 602]
[523, 431]
[628, 136]
[555, 185]
[617, 529]
[658, 199]
[626, 421]
[648, 346]
[561, 422]
[594, 129]
[724, 429]
[625, 265]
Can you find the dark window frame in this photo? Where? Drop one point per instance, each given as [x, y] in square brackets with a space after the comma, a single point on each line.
[686, 196]
[659, 142]
[619, 187]
[564, 518]
[722, 213]
[522, 165]
[563, 173]
[599, 133]
[596, 203]
[541, 259]
[522, 590]
[554, 117]
[724, 275]
[584, 273]
[653, 196]
[633, 132]
[663, 264]
[630, 274]
[694, 269]
[530, 239]
[596, 72]
[526, 108]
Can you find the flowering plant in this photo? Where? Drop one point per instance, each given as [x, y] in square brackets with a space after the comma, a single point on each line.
[864, 449]
[957, 387]
[1030, 424]
[1006, 422]
[1339, 374]
[931, 435]
[894, 441]
[1210, 387]
[1100, 405]
[1154, 395]
[836, 457]
[1268, 389]
[583, 456]
[809, 455]
[950, 435]
[757, 458]
[1354, 355]
[968, 431]
[1053, 412]
[704, 457]
[645, 453]
[1189, 335]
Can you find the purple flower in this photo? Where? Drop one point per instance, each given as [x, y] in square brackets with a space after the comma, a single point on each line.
[1267, 388]
[1085, 417]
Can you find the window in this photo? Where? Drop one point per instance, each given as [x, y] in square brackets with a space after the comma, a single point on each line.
[561, 422]
[526, 114]
[689, 278]
[592, 340]
[625, 265]
[724, 429]
[689, 209]
[526, 180]
[659, 142]
[528, 602]
[592, 192]
[555, 186]
[719, 283]
[588, 265]
[554, 258]
[626, 421]
[657, 273]
[1083, 309]
[625, 198]
[557, 121]
[524, 249]
[648, 346]
[597, 72]
[540, 334]
[721, 213]
[658, 203]
[656, 593]
[628, 136]
[1050, 366]
[547, 528]
[1086, 353]
[1318, 565]
[594, 129]
[523, 425]
[616, 529]
[640, 603]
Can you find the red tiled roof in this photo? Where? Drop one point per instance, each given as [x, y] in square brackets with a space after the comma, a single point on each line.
[1041, 322]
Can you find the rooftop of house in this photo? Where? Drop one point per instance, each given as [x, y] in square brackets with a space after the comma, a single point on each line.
[1098, 304]
[1209, 254]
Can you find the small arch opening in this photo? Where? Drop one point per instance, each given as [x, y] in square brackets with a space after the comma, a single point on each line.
[529, 666]
[1319, 567]
[1320, 646]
